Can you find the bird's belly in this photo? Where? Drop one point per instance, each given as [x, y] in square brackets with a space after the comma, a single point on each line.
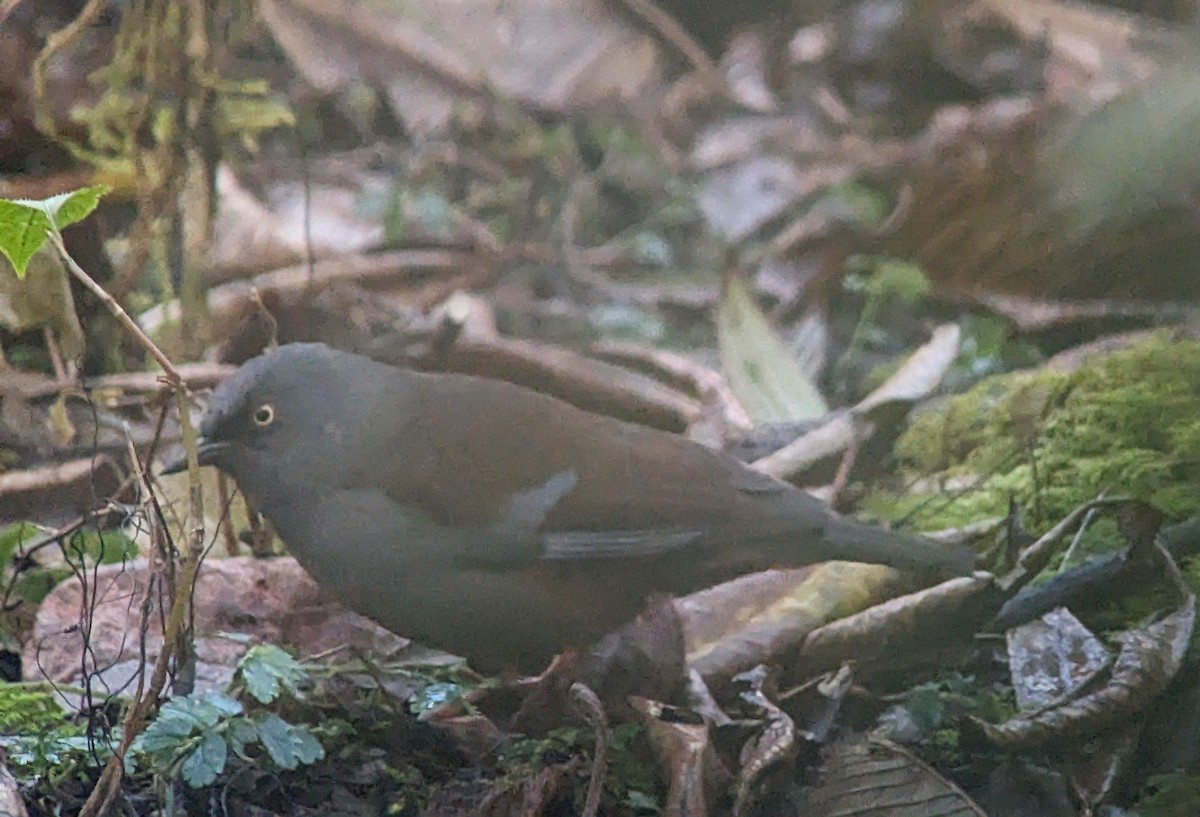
[404, 570]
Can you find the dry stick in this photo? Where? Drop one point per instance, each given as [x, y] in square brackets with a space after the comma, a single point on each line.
[862, 431]
[108, 785]
[7, 7]
[1033, 559]
[146, 606]
[589, 707]
[677, 37]
[226, 525]
[54, 43]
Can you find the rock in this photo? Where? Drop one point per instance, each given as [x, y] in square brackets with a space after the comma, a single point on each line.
[236, 599]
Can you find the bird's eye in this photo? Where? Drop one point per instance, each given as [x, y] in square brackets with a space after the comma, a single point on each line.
[264, 415]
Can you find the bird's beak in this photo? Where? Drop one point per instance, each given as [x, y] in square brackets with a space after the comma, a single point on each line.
[207, 451]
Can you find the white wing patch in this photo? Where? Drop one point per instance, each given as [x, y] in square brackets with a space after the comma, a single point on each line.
[616, 544]
[529, 508]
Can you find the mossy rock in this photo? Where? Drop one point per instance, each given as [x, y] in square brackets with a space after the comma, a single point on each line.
[1127, 423]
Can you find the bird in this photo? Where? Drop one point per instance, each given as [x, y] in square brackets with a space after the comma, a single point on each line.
[500, 523]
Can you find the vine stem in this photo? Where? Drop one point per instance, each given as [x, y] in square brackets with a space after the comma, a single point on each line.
[107, 787]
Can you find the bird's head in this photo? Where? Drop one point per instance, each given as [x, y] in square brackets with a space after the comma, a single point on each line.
[299, 409]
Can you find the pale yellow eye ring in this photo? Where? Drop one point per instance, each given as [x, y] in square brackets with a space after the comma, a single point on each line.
[264, 415]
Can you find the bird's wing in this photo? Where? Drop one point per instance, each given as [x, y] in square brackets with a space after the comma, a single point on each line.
[616, 544]
[538, 480]
[590, 487]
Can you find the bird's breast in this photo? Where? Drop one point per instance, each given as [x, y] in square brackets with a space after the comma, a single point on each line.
[472, 593]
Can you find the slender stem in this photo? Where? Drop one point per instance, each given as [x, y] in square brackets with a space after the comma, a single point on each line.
[117, 310]
[107, 787]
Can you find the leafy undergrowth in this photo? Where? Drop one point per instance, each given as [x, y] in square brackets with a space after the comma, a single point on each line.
[289, 741]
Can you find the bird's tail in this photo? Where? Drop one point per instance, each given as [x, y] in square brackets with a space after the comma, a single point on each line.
[857, 542]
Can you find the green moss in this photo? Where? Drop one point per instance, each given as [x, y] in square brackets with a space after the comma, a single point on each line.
[42, 744]
[1170, 795]
[1128, 423]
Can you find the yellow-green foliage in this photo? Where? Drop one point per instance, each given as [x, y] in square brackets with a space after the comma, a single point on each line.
[28, 708]
[1169, 795]
[1128, 422]
[40, 741]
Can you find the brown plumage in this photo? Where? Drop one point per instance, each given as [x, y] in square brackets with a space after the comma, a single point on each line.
[496, 522]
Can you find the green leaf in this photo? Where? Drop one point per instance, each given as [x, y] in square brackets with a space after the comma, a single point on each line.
[266, 668]
[206, 761]
[852, 203]
[434, 695]
[652, 249]
[761, 369]
[109, 547]
[180, 718]
[240, 734]
[24, 223]
[433, 211]
[902, 280]
[67, 208]
[166, 733]
[288, 745]
[228, 707]
[32, 586]
[22, 233]
[642, 803]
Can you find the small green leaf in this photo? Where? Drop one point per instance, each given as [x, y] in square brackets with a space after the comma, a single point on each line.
[902, 280]
[67, 208]
[22, 233]
[180, 718]
[642, 803]
[208, 709]
[109, 547]
[652, 249]
[852, 203]
[308, 748]
[32, 586]
[288, 745]
[240, 734]
[266, 668]
[433, 696]
[168, 730]
[228, 707]
[433, 211]
[24, 223]
[206, 761]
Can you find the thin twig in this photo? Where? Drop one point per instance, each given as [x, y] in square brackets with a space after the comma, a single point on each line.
[55, 43]
[118, 312]
[588, 706]
[108, 786]
[678, 38]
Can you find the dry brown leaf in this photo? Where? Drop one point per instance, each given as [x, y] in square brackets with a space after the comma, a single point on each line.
[754, 619]
[1148, 659]
[903, 629]
[682, 742]
[916, 379]
[1050, 657]
[431, 59]
[876, 776]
